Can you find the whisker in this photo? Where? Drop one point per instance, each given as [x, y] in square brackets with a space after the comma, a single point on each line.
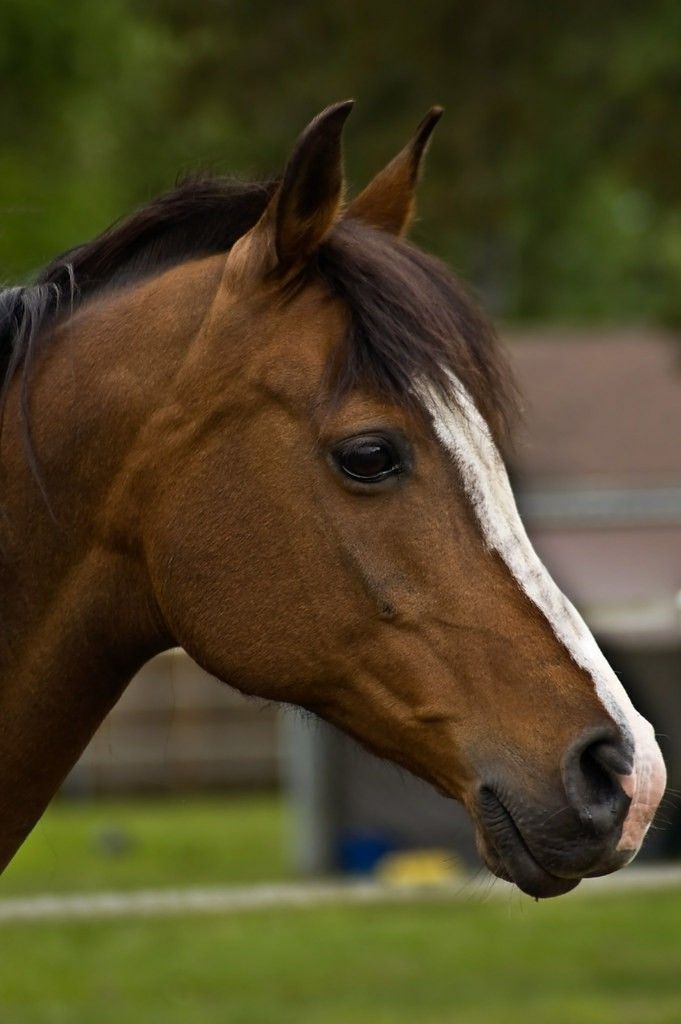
[553, 814]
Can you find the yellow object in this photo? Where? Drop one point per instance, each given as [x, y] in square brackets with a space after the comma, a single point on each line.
[418, 867]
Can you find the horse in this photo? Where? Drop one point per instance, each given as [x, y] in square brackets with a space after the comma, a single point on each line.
[254, 421]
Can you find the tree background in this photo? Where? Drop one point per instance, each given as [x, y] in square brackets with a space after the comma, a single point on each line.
[553, 181]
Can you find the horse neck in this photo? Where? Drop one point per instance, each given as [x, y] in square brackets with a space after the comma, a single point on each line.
[77, 618]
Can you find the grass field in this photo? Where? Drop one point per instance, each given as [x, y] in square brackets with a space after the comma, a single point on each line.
[610, 961]
[151, 843]
[604, 960]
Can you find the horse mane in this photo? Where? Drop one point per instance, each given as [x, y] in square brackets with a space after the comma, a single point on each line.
[411, 321]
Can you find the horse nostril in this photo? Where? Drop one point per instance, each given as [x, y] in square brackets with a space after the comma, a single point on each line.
[591, 771]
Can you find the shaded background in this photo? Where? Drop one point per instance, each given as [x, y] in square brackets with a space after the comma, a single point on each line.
[553, 186]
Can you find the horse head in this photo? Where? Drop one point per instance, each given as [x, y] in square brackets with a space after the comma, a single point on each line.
[312, 492]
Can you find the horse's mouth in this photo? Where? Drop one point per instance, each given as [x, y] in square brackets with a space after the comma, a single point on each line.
[507, 854]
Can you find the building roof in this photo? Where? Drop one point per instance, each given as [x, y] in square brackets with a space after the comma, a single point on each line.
[598, 468]
[599, 407]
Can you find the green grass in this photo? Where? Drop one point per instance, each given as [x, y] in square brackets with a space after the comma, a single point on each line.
[151, 843]
[606, 961]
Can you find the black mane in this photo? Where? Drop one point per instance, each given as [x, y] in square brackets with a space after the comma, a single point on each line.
[411, 320]
[200, 217]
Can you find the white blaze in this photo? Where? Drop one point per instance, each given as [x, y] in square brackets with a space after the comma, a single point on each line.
[465, 435]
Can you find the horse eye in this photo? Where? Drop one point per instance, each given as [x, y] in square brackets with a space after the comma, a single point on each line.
[368, 459]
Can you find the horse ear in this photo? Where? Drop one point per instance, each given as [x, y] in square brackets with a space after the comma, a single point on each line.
[388, 201]
[306, 204]
[312, 186]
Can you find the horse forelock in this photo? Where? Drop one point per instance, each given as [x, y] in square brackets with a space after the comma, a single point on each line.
[411, 321]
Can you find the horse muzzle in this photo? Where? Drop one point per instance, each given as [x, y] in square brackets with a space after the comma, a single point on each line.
[593, 824]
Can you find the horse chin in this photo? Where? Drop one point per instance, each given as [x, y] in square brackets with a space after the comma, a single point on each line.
[507, 856]
[530, 877]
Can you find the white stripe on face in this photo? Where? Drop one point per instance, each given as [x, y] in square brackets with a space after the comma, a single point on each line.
[465, 435]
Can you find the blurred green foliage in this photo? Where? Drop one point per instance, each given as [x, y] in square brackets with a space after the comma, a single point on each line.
[553, 181]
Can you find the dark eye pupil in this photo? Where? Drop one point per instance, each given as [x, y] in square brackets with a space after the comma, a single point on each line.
[370, 460]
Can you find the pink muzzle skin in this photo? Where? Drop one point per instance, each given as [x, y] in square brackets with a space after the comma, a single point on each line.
[645, 786]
